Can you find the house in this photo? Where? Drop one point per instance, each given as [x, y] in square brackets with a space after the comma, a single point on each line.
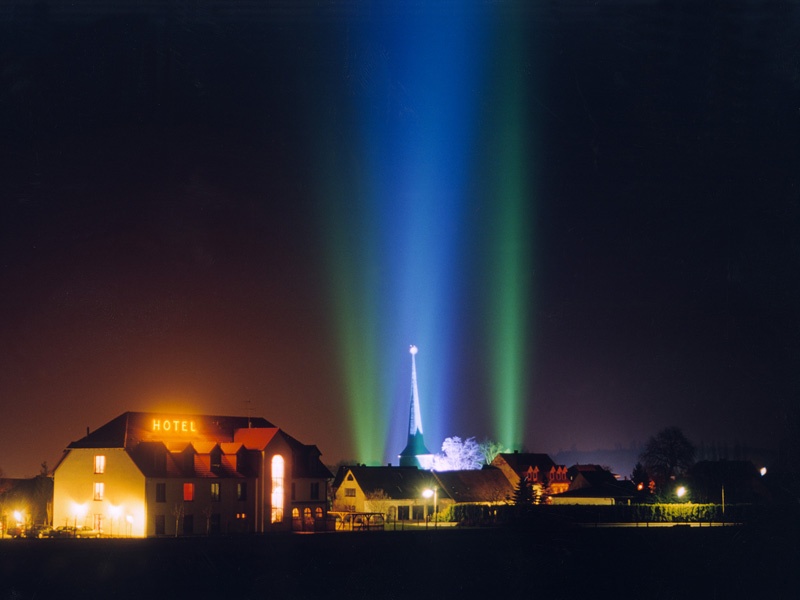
[396, 492]
[539, 469]
[483, 486]
[399, 492]
[152, 474]
[592, 484]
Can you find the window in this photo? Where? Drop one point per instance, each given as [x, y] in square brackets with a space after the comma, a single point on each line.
[315, 490]
[349, 477]
[318, 513]
[161, 492]
[99, 464]
[188, 492]
[241, 491]
[99, 490]
[295, 513]
[277, 488]
[161, 525]
[350, 492]
[215, 492]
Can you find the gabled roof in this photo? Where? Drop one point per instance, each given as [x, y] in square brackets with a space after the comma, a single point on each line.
[399, 483]
[255, 438]
[484, 485]
[592, 479]
[522, 461]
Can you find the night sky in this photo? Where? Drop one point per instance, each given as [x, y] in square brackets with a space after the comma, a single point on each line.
[162, 220]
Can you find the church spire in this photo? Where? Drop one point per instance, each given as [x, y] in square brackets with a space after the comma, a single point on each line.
[415, 453]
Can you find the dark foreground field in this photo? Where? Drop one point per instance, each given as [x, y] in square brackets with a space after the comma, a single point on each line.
[681, 563]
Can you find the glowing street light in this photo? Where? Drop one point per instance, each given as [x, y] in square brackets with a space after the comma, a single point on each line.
[428, 493]
[115, 512]
[79, 511]
[681, 491]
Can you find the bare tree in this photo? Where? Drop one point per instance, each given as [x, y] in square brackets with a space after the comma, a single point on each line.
[458, 455]
[208, 511]
[379, 501]
[490, 450]
[177, 511]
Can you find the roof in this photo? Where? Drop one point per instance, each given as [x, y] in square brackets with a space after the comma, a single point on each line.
[483, 485]
[255, 438]
[171, 445]
[130, 428]
[592, 479]
[399, 483]
[522, 461]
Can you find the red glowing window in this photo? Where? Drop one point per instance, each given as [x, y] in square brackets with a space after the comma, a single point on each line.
[188, 492]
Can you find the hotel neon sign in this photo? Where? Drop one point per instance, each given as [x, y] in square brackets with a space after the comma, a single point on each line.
[174, 425]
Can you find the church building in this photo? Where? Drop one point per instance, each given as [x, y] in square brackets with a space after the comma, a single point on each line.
[151, 474]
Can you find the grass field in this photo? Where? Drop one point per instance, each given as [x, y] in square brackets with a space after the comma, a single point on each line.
[657, 563]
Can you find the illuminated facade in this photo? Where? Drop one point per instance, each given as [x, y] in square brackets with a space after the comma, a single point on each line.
[145, 474]
[541, 472]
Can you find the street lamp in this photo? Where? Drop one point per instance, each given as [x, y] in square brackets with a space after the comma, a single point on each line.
[427, 493]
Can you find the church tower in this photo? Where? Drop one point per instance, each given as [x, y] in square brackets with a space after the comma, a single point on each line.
[415, 453]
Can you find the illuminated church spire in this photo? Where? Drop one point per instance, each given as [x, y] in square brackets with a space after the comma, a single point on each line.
[415, 453]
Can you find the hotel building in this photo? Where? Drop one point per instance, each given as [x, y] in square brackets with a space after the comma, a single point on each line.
[149, 474]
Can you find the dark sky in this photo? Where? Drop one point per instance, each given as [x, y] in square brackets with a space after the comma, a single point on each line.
[160, 233]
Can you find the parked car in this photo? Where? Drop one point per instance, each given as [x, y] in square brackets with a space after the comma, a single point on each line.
[38, 531]
[64, 531]
[87, 532]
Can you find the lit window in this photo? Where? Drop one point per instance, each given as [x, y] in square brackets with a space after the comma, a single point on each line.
[99, 463]
[295, 513]
[307, 514]
[215, 492]
[188, 492]
[277, 488]
[350, 492]
[241, 491]
[99, 490]
[318, 513]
